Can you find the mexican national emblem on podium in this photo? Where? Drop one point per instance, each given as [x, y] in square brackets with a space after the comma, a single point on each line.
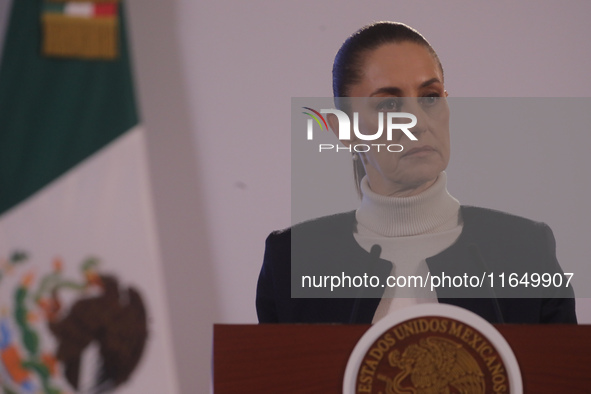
[431, 349]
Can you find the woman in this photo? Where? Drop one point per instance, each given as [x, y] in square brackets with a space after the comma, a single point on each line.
[407, 224]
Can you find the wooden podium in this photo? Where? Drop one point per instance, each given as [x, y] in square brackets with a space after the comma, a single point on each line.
[312, 358]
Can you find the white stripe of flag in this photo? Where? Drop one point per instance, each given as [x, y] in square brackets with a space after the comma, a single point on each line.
[79, 9]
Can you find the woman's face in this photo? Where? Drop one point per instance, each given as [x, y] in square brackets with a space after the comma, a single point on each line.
[403, 77]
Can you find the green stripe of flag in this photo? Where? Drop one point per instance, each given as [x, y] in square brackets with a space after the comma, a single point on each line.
[57, 8]
[54, 113]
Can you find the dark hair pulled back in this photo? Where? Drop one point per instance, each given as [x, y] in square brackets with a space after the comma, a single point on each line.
[346, 69]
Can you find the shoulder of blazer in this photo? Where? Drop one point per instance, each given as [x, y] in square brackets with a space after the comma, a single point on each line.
[487, 216]
[336, 225]
[500, 239]
[496, 225]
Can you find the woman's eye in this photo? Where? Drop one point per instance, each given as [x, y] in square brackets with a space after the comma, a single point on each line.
[389, 105]
[429, 100]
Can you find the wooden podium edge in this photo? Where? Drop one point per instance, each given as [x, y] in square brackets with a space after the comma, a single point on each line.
[311, 358]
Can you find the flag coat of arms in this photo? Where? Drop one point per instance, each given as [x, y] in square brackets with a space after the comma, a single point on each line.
[82, 301]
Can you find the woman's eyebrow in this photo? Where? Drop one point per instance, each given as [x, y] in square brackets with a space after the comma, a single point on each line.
[430, 82]
[395, 91]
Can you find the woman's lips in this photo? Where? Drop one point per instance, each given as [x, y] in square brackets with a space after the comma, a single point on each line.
[419, 151]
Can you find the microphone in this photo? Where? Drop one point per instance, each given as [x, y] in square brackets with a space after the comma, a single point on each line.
[374, 254]
[476, 253]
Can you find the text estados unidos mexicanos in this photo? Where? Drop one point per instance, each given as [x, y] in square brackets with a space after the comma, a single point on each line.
[433, 282]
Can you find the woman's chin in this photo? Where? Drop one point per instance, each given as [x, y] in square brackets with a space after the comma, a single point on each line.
[403, 187]
[421, 174]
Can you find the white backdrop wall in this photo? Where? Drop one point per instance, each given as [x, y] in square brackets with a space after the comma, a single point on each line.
[215, 82]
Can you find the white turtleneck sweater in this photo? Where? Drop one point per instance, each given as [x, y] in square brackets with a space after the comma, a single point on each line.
[409, 230]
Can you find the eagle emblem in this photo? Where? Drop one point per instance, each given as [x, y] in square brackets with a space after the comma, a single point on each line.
[435, 365]
[61, 332]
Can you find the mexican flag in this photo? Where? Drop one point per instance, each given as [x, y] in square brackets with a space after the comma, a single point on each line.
[82, 303]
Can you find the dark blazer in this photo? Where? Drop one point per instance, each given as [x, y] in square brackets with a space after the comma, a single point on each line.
[490, 241]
